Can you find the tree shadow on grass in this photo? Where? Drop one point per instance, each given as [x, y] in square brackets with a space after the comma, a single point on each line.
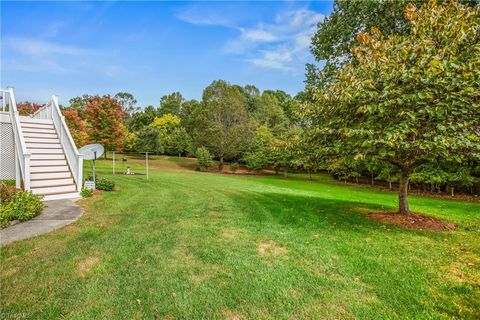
[297, 211]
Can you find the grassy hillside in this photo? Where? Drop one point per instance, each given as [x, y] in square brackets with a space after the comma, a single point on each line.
[191, 245]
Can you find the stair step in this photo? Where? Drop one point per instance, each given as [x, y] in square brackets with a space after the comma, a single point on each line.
[41, 163]
[43, 145]
[48, 169]
[59, 196]
[38, 130]
[45, 151]
[24, 119]
[36, 126]
[54, 189]
[50, 182]
[47, 156]
[41, 140]
[39, 135]
[50, 175]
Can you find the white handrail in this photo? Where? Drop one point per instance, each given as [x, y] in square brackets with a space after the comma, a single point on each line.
[40, 111]
[74, 158]
[23, 155]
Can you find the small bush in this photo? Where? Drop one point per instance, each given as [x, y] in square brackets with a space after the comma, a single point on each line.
[5, 217]
[102, 184]
[7, 191]
[86, 193]
[204, 158]
[234, 167]
[105, 184]
[9, 182]
[23, 206]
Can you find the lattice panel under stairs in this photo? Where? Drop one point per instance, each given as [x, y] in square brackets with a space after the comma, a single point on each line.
[7, 151]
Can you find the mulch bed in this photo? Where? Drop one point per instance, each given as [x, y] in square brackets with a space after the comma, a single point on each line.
[413, 221]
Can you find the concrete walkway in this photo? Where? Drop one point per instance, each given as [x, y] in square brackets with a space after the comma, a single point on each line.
[56, 214]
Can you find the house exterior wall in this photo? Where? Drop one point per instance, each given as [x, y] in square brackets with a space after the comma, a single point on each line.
[7, 147]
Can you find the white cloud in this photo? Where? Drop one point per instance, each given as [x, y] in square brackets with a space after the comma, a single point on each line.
[38, 47]
[195, 16]
[282, 44]
[274, 59]
[44, 65]
[257, 35]
[37, 55]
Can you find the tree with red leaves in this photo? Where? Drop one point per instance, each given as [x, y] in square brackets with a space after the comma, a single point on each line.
[77, 126]
[26, 108]
[104, 116]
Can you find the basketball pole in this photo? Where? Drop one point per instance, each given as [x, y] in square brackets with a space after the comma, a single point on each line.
[146, 161]
[93, 168]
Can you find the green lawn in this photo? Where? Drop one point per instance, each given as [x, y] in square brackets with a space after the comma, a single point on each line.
[191, 245]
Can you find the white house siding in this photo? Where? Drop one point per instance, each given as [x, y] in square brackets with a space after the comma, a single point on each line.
[7, 147]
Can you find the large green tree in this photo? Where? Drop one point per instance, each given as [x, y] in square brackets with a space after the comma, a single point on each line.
[407, 99]
[171, 103]
[257, 155]
[128, 103]
[269, 112]
[178, 142]
[148, 140]
[141, 119]
[226, 123]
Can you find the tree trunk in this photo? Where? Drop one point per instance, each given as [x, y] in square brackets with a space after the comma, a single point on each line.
[220, 165]
[403, 193]
[310, 174]
[356, 179]
[389, 184]
[285, 173]
[372, 179]
[452, 189]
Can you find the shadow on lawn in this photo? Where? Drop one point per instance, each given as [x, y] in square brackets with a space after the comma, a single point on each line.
[305, 212]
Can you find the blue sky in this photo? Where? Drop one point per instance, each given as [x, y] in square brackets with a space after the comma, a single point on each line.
[153, 48]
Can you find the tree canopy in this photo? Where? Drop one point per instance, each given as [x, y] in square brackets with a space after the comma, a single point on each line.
[228, 126]
[335, 36]
[104, 122]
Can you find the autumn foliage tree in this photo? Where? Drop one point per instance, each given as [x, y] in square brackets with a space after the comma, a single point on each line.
[27, 108]
[77, 126]
[104, 122]
[407, 100]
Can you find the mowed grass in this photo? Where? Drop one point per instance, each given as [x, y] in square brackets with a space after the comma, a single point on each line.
[191, 245]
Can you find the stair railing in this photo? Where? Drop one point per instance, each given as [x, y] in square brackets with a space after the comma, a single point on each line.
[74, 158]
[22, 155]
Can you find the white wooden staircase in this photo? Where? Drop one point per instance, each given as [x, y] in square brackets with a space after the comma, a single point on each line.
[47, 160]
[50, 175]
